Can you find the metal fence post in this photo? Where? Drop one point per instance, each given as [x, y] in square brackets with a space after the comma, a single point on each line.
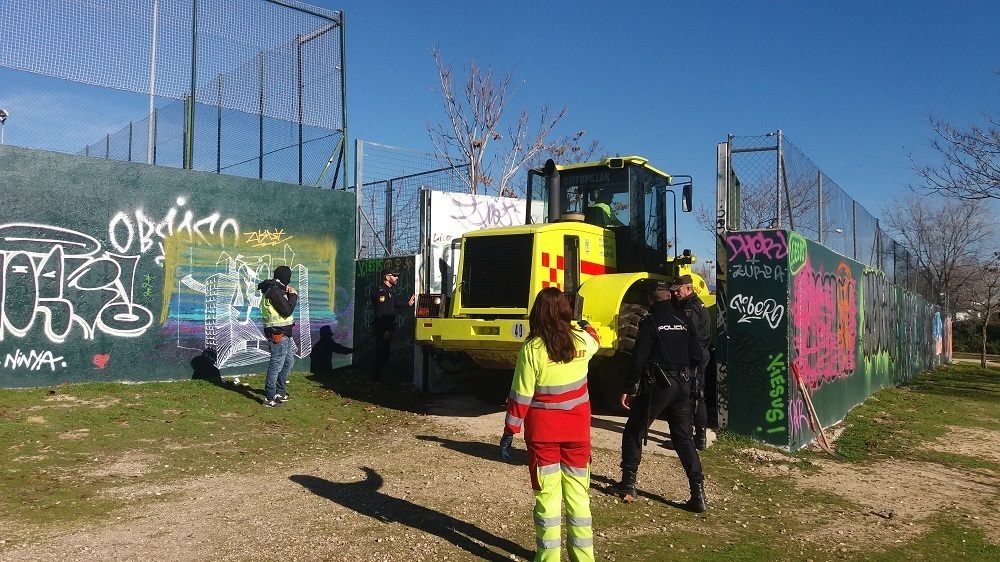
[298, 75]
[854, 218]
[156, 122]
[388, 217]
[218, 130]
[260, 154]
[189, 154]
[129, 141]
[107, 146]
[819, 205]
[777, 186]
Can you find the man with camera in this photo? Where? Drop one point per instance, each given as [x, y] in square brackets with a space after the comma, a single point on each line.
[276, 306]
[665, 357]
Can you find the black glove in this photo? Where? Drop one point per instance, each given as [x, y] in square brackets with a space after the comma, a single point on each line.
[505, 442]
[583, 324]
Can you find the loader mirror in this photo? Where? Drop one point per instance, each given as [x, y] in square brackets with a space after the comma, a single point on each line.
[686, 198]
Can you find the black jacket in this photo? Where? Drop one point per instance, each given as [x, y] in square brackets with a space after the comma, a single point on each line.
[694, 308]
[283, 302]
[680, 340]
[385, 305]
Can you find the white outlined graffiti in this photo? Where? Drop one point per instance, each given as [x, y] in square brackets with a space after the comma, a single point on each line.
[54, 279]
[231, 304]
[143, 231]
[754, 309]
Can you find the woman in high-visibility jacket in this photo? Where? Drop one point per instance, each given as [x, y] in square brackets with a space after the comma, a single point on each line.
[549, 398]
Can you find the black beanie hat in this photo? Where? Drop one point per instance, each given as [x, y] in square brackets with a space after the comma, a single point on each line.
[283, 273]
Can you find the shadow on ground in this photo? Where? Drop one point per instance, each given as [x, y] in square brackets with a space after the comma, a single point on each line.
[365, 498]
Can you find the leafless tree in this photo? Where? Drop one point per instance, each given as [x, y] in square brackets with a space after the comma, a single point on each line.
[946, 237]
[758, 206]
[484, 151]
[970, 167]
[981, 293]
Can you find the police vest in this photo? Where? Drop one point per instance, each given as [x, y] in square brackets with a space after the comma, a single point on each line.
[271, 317]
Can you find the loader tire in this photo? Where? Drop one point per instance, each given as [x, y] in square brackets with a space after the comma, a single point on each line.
[629, 315]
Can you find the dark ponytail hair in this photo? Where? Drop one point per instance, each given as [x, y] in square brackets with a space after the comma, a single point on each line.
[550, 319]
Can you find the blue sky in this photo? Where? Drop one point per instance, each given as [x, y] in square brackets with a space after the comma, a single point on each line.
[851, 84]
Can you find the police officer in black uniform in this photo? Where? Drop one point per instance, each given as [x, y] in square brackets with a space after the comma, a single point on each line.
[687, 303]
[385, 305]
[665, 356]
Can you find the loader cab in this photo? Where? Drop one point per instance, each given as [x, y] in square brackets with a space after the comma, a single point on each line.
[626, 196]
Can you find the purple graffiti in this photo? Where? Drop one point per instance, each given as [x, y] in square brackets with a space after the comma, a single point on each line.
[756, 245]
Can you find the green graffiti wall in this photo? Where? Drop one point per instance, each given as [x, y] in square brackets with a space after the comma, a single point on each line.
[845, 328]
[367, 277]
[112, 271]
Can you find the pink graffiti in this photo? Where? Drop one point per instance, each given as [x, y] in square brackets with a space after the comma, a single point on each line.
[823, 314]
[755, 245]
[798, 419]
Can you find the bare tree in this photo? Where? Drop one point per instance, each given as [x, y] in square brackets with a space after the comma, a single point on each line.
[946, 237]
[981, 293]
[758, 208]
[971, 160]
[481, 149]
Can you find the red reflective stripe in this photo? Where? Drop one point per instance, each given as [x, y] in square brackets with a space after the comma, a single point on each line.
[545, 260]
[591, 268]
[560, 264]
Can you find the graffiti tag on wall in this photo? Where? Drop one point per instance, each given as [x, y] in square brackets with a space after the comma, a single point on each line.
[63, 283]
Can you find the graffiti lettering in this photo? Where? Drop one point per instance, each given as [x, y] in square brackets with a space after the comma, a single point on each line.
[57, 279]
[123, 232]
[757, 310]
[769, 245]
[824, 312]
[263, 238]
[776, 369]
[796, 252]
[879, 321]
[33, 360]
[487, 212]
[755, 270]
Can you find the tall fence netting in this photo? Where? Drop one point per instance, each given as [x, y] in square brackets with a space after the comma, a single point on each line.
[773, 184]
[263, 78]
[389, 181]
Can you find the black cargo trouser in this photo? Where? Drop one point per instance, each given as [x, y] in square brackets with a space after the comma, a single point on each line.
[645, 408]
[698, 394]
[383, 349]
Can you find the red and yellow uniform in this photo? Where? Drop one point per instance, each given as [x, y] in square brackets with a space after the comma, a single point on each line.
[551, 401]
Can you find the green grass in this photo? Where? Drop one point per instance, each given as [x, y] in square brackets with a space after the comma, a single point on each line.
[65, 450]
[898, 422]
[62, 447]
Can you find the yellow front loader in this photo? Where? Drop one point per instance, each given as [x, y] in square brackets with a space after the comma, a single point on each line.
[599, 235]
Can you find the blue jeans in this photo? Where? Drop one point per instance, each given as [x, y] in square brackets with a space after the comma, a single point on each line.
[278, 367]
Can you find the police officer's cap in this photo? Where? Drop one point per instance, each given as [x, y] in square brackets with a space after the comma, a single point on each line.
[387, 270]
[658, 285]
[680, 281]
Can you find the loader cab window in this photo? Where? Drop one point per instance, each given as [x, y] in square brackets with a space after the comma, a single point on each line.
[599, 194]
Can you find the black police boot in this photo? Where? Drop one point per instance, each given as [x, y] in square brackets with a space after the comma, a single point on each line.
[626, 490]
[700, 438]
[697, 503]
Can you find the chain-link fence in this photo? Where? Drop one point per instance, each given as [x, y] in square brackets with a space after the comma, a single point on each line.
[390, 180]
[773, 184]
[252, 88]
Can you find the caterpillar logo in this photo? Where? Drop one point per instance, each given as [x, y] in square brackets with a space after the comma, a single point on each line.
[672, 327]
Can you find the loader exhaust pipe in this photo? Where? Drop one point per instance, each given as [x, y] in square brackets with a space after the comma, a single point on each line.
[552, 174]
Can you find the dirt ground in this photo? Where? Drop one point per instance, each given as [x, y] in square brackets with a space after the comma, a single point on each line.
[433, 490]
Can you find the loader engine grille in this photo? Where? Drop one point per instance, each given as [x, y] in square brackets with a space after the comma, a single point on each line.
[496, 271]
